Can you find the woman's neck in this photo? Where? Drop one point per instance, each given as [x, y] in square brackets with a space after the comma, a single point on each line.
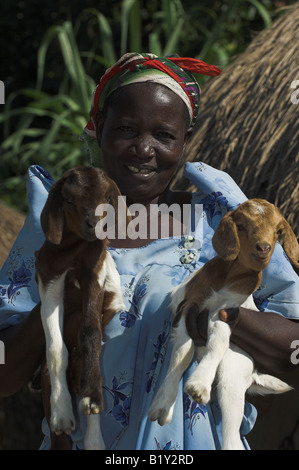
[150, 223]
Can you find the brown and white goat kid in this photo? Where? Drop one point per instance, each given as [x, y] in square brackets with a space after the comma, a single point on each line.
[244, 242]
[80, 292]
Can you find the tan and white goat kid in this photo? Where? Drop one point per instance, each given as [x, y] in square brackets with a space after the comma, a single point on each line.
[244, 242]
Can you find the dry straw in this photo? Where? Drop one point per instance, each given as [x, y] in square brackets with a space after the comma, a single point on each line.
[248, 125]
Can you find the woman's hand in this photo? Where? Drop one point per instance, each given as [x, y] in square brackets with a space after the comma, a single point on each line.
[24, 347]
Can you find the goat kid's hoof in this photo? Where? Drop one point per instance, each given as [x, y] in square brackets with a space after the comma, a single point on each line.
[88, 406]
[198, 392]
[62, 425]
[162, 415]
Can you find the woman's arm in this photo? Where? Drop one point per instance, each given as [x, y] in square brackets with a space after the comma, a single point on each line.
[267, 337]
[24, 347]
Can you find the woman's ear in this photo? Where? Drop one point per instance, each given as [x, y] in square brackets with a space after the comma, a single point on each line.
[187, 136]
[99, 124]
[226, 240]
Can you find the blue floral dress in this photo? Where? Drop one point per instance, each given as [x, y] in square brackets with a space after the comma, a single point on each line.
[136, 343]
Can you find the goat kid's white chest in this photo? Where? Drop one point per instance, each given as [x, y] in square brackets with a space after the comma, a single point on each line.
[224, 298]
[109, 280]
[108, 276]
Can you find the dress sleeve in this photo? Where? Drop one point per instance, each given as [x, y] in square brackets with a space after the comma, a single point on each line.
[18, 288]
[219, 193]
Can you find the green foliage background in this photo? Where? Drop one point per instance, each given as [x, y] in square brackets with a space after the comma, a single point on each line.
[53, 53]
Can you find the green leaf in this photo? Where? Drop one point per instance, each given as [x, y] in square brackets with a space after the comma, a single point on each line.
[263, 12]
[126, 7]
[135, 28]
[172, 43]
[107, 42]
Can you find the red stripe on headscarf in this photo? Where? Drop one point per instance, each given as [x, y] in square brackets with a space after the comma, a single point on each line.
[196, 66]
[156, 64]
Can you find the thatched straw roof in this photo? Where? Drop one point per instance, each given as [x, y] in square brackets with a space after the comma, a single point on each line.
[248, 125]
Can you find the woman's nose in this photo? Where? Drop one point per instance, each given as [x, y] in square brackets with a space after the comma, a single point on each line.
[144, 148]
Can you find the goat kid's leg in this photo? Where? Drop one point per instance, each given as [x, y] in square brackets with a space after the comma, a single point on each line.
[163, 403]
[234, 376]
[91, 380]
[62, 416]
[61, 441]
[200, 383]
[93, 439]
[90, 338]
[91, 402]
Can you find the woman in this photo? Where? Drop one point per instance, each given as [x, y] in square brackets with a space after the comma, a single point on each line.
[143, 112]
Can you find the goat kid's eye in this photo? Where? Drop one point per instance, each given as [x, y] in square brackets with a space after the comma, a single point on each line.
[279, 232]
[240, 227]
[68, 202]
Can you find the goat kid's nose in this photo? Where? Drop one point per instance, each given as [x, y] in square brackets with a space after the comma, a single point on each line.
[91, 223]
[263, 247]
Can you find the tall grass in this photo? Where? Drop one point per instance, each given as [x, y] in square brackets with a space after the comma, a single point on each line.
[46, 130]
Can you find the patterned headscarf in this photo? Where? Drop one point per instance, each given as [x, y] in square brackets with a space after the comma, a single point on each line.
[176, 73]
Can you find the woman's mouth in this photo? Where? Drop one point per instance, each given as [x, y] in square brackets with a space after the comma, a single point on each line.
[142, 171]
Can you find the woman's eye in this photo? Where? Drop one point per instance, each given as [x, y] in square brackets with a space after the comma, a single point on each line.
[166, 135]
[125, 129]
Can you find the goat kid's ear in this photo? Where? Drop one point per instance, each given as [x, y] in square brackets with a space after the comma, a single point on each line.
[289, 243]
[52, 214]
[116, 199]
[226, 240]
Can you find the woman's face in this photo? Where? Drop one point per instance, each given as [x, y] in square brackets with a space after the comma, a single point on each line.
[142, 137]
